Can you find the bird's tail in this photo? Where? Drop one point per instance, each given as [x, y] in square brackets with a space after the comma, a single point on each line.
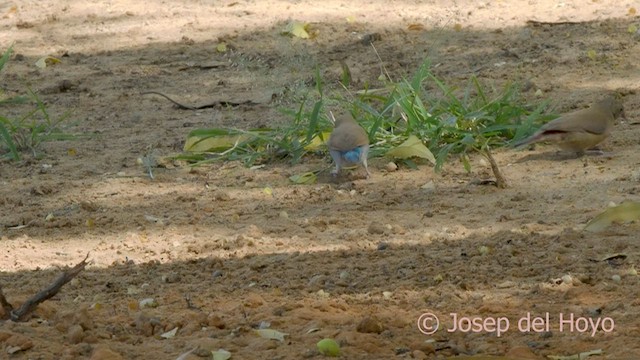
[526, 141]
[353, 156]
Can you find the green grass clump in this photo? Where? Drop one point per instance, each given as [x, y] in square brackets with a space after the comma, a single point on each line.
[305, 134]
[31, 130]
[449, 121]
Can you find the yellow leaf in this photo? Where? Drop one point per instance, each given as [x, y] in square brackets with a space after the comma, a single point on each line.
[268, 191]
[318, 141]
[632, 11]
[627, 211]
[351, 19]
[221, 48]
[45, 61]
[457, 27]
[632, 29]
[592, 54]
[415, 27]
[307, 178]
[297, 29]
[412, 147]
[271, 334]
[72, 152]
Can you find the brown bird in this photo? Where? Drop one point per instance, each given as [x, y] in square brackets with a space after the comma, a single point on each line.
[348, 144]
[579, 130]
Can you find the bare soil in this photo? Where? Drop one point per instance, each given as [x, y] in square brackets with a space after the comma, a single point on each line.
[358, 261]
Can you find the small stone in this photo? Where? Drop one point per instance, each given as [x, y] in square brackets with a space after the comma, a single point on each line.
[104, 353]
[18, 342]
[375, 228]
[220, 195]
[521, 352]
[171, 278]
[506, 284]
[148, 302]
[344, 275]
[215, 321]
[75, 334]
[417, 354]
[370, 325]
[616, 278]
[429, 187]
[391, 166]
[383, 246]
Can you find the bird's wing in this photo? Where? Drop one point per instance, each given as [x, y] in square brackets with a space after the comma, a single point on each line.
[347, 137]
[587, 120]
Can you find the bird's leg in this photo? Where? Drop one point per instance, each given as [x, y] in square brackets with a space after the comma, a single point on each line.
[366, 168]
[337, 158]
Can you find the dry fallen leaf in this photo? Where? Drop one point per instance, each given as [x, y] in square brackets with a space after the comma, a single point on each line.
[307, 178]
[169, 334]
[297, 29]
[45, 61]
[221, 354]
[271, 334]
[412, 147]
[318, 141]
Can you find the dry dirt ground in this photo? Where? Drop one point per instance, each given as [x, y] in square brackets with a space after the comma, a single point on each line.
[358, 261]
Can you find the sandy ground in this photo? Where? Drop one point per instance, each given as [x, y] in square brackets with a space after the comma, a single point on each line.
[360, 261]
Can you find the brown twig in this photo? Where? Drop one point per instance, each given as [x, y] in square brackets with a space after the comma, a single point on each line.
[501, 181]
[540, 23]
[50, 291]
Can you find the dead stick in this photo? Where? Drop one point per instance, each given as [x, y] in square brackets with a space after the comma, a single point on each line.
[47, 293]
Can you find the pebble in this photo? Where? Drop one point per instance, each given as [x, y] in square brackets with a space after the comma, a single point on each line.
[370, 325]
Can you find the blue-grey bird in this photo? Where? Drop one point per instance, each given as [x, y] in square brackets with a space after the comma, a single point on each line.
[348, 144]
[580, 130]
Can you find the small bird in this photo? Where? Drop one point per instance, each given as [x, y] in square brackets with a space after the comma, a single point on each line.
[579, 130]
[348, 144]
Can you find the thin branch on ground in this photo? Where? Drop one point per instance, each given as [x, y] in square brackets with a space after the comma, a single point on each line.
[45, 294]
